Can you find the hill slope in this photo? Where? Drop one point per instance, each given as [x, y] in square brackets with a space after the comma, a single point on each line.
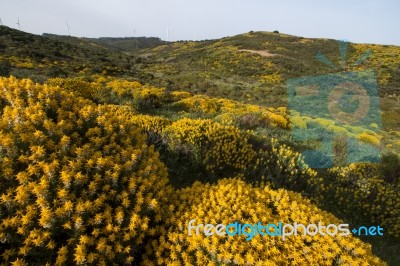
[251, 67]
[127, 44]
[39, 57]
[49, 132]
[254, 67]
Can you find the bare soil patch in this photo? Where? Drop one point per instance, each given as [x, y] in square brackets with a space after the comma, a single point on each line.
[260, 52]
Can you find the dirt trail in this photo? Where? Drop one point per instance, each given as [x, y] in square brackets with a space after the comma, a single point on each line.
[260, 52]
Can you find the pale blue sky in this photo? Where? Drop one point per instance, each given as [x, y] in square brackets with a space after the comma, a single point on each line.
[366, 21]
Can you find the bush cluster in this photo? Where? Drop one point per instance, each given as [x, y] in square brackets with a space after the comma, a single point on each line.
[78, 183]
[232, 200]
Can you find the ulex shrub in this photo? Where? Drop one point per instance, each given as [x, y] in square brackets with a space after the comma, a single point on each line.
[89, 90]
[222, 148]
[232, 200]
[361, 193]
[78, 184]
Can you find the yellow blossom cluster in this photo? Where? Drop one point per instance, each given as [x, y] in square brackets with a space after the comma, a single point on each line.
[220, 147]
[276, 120]
[226, 119]
[145, 123]
[364, 192]
[233, 200]
[280, 166]
[298, 122]
[78, 184]
[123, 87]
[25, 62]
[150, 96]
[274, 78]
[180, 95]
[369, 138]
[142, 96]
[208, 105]
[88, 90]
[148, 123]
[225, 149]
[200, 103]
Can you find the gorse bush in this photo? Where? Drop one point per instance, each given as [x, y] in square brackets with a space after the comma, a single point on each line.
[241, 112]
[200, 103]
[233, 200]
[281, 167]
[141, 96]
[225, 150]
[368, 138]
[78, 185]
[179, 95]
[360, 191]
[89, 90]
[222, 149]
[145, 123]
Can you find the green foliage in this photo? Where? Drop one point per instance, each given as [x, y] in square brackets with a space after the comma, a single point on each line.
[130, 44]
[361, 194]
[390, 168]
[44, 57]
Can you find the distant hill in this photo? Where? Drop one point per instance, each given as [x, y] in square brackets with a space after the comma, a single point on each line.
[236, 66]
[127, 44]
[130, 44]
[254, 67]
[40, 57]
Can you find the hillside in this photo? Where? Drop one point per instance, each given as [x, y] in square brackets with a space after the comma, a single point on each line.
[263, 58]
[255, 66]
[41, 57]
[106, 153]
[127, 44]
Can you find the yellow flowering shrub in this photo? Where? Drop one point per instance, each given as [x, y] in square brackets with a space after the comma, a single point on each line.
[224, 149]
[142, 96]
[200, 103]
[150, 97]
[298, 121]
[368, 138]
[226, 118]
[146, 123]
[123, 88]
[360, 191]
[180, 95]
[280, 167]
[274, 78]
[82, 88]
[276, 120]
[233, 200]
[78, 184]
[221, 148]
[218, 106]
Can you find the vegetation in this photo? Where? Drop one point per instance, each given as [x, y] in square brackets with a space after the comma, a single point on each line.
[112, 153]
[78, 183]
[233, 200]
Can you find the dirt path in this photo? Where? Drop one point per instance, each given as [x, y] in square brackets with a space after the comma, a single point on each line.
[260, 52]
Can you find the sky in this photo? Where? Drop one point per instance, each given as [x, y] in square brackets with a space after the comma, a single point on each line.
[361, 21]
